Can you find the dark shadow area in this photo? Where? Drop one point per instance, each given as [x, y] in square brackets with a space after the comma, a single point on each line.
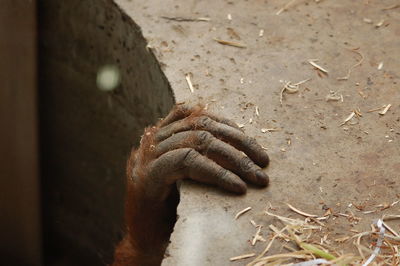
[86, 133]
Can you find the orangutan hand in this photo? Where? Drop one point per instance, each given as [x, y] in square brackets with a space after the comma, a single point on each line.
[190, 143]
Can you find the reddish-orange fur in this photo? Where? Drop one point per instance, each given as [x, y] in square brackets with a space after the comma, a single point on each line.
[145, 239]
[148, 224]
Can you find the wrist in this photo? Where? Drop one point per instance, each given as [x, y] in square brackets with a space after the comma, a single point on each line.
[127, 253]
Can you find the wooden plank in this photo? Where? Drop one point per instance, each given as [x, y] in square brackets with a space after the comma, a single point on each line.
[20, 232]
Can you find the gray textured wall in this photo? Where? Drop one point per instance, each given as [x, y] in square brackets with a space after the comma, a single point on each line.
[86, 133]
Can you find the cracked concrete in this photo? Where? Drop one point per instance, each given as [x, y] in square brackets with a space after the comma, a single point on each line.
[315, 162]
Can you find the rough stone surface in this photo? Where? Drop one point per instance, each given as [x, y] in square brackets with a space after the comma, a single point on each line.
[325, 164]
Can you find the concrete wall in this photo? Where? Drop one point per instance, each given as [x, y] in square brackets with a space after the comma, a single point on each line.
[86, 133]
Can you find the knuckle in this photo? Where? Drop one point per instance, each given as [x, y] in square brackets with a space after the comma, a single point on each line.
[153, 171]
[204, 136]
[204, 121]
[189, 156]
[182, 109]
[246, 164]
[228, 122]
[251, 142]
[222, 175]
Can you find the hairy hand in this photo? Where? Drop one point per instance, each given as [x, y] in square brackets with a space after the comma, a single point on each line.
[190, 143]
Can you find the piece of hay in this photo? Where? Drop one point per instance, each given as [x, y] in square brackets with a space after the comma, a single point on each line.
[301, 212]
[312, 62]
[386, 109]
[316, 251]
[183, 19]
[189, 82]
[334, 96]
[353, 66]
[257, 236]
[229, 43]
[348, 118]
[265, 130]
[241, 257]
[242, 212]
[285, 7]
[291, 88]
[378, 243]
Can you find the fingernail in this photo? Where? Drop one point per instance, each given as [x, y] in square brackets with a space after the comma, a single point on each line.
[262, 178]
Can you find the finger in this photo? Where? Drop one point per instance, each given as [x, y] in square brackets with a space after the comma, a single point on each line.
[220, 152]
[181, 111]
[222, 131]
[178, 112]
[224, 121]
[187, 162]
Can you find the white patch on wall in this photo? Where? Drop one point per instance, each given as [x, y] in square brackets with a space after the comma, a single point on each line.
[108, 78]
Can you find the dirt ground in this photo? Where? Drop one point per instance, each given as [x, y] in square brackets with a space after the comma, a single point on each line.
[331, 148]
